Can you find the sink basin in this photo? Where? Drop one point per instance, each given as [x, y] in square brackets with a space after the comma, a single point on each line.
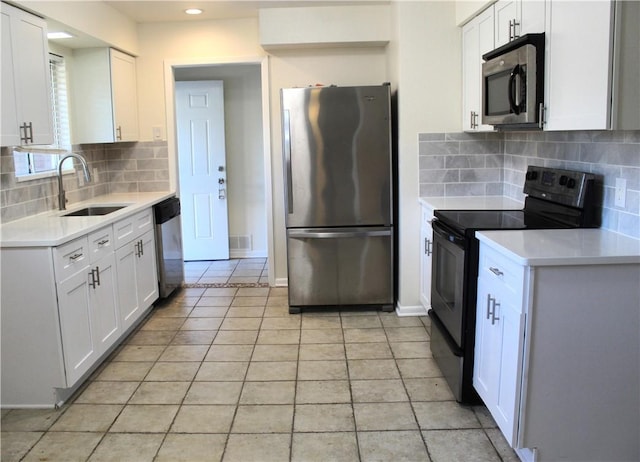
[94, 210]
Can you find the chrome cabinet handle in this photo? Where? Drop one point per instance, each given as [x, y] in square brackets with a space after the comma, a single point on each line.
[492, 304]
[98, 275]
[139, 248]
[93, 278]
[427, 247]
[119, 133]
[494, 318]
[103, 242]
[496, 271]
[75, 256]
[541, 120]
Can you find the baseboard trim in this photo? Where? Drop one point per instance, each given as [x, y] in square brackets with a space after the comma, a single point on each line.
[411, 310]
[239, 253]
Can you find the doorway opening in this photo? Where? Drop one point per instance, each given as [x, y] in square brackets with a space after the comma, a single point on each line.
[247, 184]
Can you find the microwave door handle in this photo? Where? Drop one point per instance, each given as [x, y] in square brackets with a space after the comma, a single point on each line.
[515, 107]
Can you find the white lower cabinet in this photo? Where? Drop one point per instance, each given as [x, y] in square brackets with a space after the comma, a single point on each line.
[78, 325]
[499, 340]
[557, 354]
[137, 280]
[85, 296]
[426, 252]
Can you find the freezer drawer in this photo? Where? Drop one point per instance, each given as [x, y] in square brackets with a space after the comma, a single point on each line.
[340, 266]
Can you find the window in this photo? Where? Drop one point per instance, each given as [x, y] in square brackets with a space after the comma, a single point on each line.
[38, 163]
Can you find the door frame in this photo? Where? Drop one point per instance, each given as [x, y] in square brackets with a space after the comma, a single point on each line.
[172, 146]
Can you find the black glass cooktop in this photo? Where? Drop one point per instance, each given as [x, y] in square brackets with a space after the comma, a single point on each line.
[468, 221]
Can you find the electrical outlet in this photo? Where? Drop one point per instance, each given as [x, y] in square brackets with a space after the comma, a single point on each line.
[157, 133]
[621, 192]
[80, 178]
[95, 175]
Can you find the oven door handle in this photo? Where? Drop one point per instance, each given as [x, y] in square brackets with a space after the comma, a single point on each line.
[447, 235]
[513, 90]
[455, 349]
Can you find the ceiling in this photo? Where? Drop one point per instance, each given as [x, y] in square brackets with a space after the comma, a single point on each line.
[169, 11]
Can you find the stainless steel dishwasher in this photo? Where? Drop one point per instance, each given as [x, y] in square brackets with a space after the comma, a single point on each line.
[169, 246]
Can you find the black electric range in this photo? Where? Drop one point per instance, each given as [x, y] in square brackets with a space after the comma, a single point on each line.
[555, 199]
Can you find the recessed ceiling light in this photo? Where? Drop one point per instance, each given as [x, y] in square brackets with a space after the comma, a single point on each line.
[59, 35]
[193, 11]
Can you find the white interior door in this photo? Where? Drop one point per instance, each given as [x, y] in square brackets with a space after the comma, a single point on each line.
[203, 170]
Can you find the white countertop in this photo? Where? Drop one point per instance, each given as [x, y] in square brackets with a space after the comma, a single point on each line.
[471, 203]
[52, 229]
[561, 247]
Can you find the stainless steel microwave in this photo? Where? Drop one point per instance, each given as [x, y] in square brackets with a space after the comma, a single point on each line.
[513, 84]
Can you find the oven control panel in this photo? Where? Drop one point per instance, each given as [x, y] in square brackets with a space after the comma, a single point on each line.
[565, 187]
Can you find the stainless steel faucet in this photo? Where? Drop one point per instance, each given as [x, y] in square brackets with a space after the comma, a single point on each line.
[87, 175]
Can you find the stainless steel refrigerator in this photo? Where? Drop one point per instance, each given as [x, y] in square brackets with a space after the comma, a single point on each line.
[338, 196]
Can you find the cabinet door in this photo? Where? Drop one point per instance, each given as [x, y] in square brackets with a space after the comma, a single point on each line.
[104, 298]
[477, 39]
[499, 347]
[79, 341]
[486, 371]
[27, 93]
[507, 12]
[125, 100]
[532, 17]
[126, 262]
[426, 242]
[578, 65]
[146, 271]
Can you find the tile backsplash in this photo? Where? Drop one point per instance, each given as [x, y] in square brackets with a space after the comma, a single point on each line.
[469, 164]
[115, 167]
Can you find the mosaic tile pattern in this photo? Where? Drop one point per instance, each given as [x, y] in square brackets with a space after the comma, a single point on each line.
[228, 374]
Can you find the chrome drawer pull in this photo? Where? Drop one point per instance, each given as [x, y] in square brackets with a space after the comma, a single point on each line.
[75, 256]
[496, 271]
[103, 242]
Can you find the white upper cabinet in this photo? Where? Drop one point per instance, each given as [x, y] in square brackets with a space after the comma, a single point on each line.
[514, 18]
[27, 117]
[105, 103]
[477, 39]
[592, 59]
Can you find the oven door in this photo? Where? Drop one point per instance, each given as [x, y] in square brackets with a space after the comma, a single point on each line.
[447, 280]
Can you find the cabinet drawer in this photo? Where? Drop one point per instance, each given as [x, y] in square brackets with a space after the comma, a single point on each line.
[500, 270]
[71, 257]
[131, 227]
[101, 243]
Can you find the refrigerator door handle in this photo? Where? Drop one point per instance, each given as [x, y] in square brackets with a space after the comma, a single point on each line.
[286, 130]
[333, 233]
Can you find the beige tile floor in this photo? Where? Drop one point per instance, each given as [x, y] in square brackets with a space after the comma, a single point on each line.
[228, 374]
[234, 271]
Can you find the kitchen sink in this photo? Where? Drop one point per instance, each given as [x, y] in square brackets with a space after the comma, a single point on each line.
[94, 210]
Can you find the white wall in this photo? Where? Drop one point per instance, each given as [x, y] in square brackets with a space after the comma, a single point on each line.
[426, 58]
[244, 149]
[207, 40]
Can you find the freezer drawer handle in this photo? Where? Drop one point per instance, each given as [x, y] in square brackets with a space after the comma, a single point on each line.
[338, 234]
